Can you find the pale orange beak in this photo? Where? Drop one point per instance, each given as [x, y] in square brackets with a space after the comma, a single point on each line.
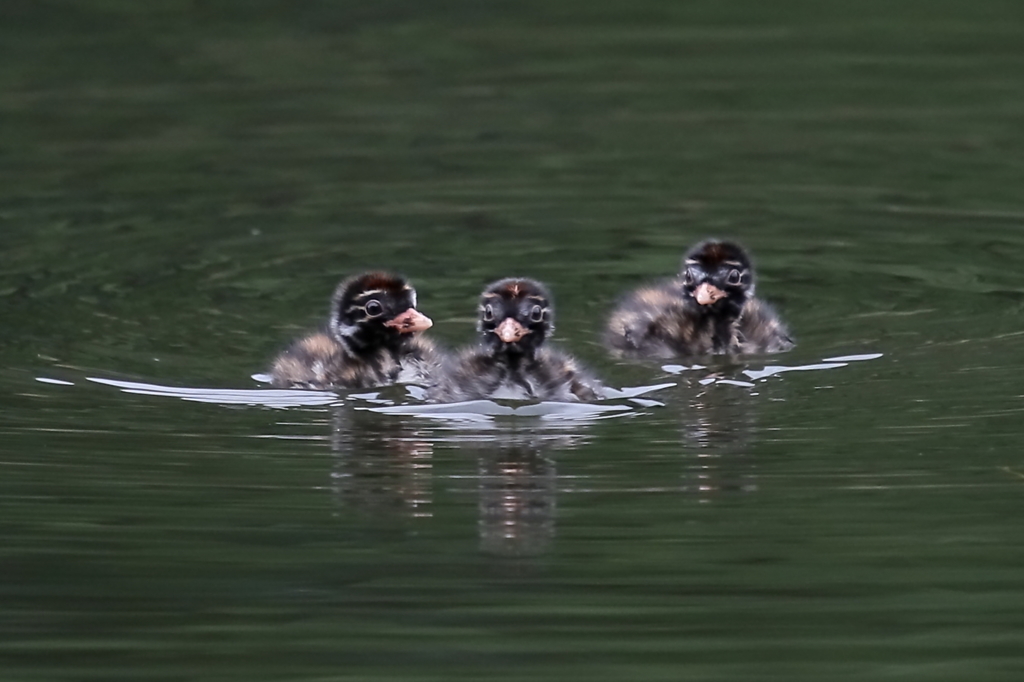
[511, 331]
[410, 321]
[706, 294]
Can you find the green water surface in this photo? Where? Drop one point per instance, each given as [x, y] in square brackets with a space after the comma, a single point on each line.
[182, 182]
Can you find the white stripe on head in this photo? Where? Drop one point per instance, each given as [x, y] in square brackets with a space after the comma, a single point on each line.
[343, 331]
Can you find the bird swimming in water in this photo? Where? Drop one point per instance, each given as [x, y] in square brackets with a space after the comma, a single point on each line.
[372, 338]
[512, 360]
[709, 308]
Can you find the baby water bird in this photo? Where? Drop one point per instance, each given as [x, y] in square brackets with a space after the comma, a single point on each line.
[371, 339]
[511, 360]
[708, 308]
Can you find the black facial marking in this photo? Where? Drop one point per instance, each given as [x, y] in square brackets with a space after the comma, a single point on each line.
[526, 301]
[363, 304]
[723, 265]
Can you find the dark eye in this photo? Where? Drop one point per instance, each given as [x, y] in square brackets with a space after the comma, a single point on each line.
[537, 314]
[688, 278]
[488, 312]
[374, 308]
[733, 278]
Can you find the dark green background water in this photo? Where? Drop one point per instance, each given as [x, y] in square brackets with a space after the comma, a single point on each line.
[183, 183]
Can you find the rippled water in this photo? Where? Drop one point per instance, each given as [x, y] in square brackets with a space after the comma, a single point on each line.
[185, 182]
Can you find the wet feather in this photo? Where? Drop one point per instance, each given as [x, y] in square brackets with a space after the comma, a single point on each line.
[512, 358]
[362, 346]
[666, 320]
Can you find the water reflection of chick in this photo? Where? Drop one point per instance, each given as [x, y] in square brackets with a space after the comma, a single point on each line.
[518, 488]
[383, 467]
[717, 424]
[512, 360]
[709, 308]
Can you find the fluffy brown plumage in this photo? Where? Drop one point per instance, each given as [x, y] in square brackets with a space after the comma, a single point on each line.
[708, 308]
[511, 360]
[371, 339]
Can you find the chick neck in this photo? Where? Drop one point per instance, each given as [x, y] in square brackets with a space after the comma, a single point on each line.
[364, 341]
